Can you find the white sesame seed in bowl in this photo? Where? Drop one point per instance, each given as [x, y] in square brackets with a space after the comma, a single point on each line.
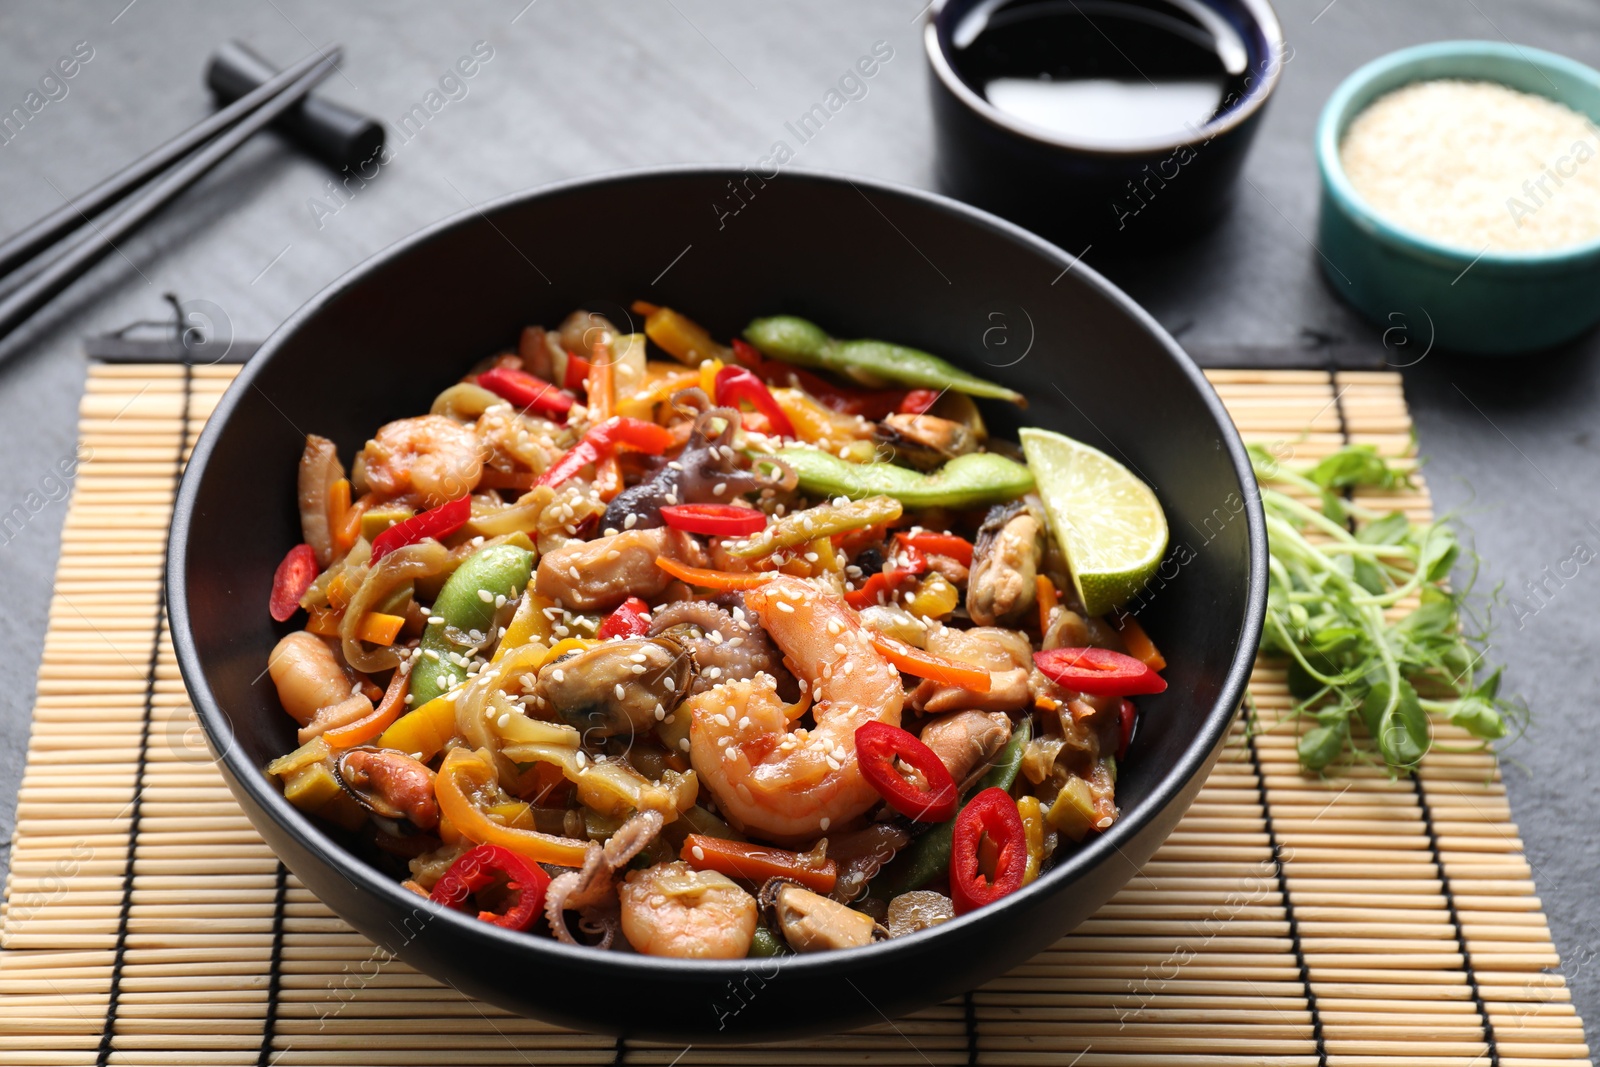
[1461, 197]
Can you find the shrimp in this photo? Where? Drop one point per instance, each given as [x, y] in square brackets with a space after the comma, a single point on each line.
[672, 909]
[431, 455]
[308, 676]
[793, 785]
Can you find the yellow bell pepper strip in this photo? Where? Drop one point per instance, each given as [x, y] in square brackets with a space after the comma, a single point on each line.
[972, 480]
[529, 625]
[422, 731]
[681, 337]
[801, 527]
[464, 606]
[1032, 813]
[794, 340]
[466, 781]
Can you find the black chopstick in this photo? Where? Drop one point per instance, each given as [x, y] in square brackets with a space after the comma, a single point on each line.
[37, 236]
[80, 254]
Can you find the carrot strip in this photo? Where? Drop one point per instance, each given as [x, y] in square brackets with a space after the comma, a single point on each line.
[1138, 643]
[923, 664]
[644, 307]
[756, 863]
[380, 629]
[370, 726]
[711, 579]
[338, 596]
[1047, 602]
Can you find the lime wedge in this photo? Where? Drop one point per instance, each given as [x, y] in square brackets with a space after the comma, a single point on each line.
[1106, 520]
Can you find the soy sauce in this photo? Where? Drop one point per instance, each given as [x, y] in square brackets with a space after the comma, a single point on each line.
[1103, 71]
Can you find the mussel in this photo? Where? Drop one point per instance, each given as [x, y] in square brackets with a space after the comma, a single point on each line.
[810, 922]
[617, 687]
[390, 785]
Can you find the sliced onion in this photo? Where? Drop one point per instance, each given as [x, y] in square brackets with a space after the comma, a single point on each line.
[319, 469]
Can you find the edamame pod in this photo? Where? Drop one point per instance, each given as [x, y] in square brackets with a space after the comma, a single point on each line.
[794, 340]
[466, 605]
[975, 479]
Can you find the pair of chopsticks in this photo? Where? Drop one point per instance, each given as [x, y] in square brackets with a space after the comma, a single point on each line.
[42, 259]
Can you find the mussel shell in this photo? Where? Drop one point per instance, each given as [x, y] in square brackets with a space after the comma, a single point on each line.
[601, 691]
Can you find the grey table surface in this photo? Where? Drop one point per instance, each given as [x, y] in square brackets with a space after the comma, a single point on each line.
[576, 88]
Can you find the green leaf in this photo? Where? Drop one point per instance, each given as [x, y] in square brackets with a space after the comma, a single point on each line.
[1355, 465]
[1321, 745]
[1399, 726]
[1389, 530]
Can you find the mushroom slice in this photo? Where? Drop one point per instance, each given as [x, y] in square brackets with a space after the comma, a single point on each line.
[811, 922]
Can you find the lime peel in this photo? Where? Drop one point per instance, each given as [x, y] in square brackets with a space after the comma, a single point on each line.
[1107, 521]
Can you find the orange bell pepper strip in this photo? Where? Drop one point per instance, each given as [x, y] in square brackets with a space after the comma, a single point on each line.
[380, 629]
[710, 579]
[756, 863]
[370, 726]
[919, 663]
[460, 779]
[1138, 643]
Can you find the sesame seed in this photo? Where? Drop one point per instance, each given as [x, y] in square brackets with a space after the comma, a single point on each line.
[559, 675]
[619, 691]
[504, 720]
[719, 488]
[661, 713]
[627, 523]
[637, 668]
[670, 683]
[785, 607]
[825, 823]
[683, 743]
[699, 853]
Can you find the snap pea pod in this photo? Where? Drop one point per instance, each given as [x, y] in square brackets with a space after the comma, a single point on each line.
[971, 480]
[824, 520]
[497, 570]
[929, 855]
[795, 340]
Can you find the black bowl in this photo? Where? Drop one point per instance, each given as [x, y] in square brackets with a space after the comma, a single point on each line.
[1117, 197]
[862, 258]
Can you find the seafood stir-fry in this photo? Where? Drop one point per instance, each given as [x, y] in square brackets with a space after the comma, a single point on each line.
[649, 643]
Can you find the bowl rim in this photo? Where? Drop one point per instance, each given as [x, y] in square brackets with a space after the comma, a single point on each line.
[268, 799]
[1337, 114]
[1266, 18]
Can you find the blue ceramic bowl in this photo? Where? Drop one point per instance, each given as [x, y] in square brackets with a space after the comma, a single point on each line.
[1499, 303]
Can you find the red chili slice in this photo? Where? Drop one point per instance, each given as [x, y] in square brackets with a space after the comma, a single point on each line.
[994, 813]
[878, 745]
[631, 619]
[735, 384]
[604, 439]
[1099, 671]
[480, 868]
[291, 580]
[714, 520]
[527, 392]
[918, 401]
[437, 523]
[1127, 716]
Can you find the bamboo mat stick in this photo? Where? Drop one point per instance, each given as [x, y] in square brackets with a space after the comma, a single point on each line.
[1282, 908]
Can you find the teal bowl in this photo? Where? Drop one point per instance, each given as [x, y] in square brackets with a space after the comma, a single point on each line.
[1497, 303]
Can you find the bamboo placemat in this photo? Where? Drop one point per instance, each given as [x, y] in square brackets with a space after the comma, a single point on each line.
[1289, 920]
